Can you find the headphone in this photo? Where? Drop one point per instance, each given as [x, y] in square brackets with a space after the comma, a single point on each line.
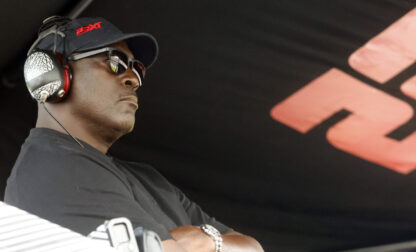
[47, 75]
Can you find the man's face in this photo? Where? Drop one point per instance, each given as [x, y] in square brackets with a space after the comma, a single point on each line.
[102, 100]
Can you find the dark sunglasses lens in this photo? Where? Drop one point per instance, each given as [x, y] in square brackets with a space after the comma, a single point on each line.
[118, 62]
[139, 68]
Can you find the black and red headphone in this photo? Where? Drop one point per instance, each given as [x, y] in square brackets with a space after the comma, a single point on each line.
[47, 75]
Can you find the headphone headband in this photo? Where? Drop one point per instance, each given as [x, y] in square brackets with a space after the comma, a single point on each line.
[44, 34]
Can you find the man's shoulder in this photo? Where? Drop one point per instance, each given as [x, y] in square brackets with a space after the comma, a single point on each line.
[55, 156]
[46, 163]
[43, 146]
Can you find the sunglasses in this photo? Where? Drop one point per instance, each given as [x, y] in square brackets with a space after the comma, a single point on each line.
[118, 61]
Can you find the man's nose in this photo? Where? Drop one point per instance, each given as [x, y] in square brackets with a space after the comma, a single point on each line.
[131, 79]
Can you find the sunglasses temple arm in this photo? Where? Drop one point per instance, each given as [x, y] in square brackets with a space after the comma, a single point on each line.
[89, 53]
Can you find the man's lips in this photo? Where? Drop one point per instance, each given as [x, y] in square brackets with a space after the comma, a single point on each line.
[130, 99]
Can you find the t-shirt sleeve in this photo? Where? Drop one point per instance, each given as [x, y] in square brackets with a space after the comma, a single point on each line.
[76, 191]
[197, 215]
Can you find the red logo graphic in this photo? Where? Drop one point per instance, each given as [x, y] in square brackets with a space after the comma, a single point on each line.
[87, 28]
[374, 113]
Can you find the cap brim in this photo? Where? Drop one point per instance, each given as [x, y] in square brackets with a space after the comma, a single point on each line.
[143, 46]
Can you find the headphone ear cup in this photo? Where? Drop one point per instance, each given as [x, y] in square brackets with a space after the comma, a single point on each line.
[67, 73]
[45, 76]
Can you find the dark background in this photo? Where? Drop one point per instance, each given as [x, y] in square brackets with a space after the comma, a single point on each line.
[205, 122]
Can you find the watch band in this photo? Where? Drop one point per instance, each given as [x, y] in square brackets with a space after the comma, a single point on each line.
[214, 234]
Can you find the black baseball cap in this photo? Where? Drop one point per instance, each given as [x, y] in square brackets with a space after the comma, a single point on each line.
[84, 34]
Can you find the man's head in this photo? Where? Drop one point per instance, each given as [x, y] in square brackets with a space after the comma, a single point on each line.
[107, 68]
[103, 99]
[59, 37]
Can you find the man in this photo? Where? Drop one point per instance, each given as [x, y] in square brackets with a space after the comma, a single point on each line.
[63, 173]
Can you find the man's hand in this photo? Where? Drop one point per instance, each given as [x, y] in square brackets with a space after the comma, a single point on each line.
[193, 239]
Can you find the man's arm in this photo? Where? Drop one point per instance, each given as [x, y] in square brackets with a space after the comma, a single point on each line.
[193, 239]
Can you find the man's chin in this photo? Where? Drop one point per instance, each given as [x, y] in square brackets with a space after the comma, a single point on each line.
[118, 124]
[127, 126]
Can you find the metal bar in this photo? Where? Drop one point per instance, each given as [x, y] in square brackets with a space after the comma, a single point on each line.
[79, 8]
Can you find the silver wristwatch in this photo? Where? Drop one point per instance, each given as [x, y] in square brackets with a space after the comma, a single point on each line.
[214, 234]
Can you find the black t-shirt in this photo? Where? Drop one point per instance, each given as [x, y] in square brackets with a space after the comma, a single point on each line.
[78, 188]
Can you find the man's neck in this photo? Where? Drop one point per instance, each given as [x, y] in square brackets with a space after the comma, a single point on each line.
[87, 133]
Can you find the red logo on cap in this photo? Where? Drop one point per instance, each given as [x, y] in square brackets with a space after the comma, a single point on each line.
[87, 28]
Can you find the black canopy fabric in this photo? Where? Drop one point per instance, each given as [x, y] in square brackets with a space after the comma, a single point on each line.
[290, 121]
